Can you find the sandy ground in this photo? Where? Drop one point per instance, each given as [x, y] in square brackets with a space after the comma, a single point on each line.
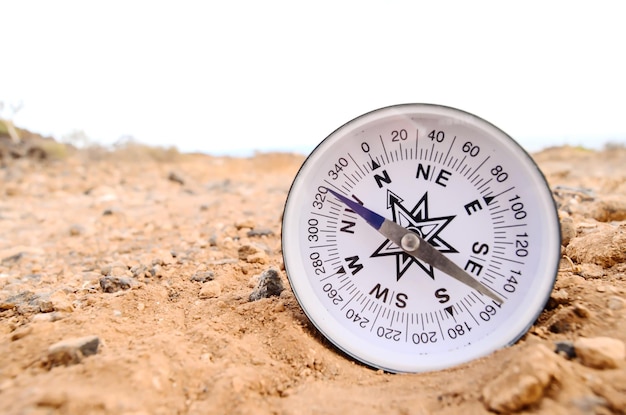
[125, 284]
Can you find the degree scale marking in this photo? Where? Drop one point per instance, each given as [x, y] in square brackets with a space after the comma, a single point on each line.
[476, 181]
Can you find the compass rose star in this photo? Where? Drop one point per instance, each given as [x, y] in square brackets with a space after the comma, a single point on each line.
[419, 222]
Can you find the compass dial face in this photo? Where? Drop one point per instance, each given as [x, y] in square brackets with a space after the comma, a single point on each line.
[463, 186]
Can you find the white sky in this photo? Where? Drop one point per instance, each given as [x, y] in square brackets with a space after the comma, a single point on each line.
[233, 77]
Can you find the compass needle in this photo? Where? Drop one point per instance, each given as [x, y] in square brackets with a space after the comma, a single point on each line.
[418, 237]
[415, 246]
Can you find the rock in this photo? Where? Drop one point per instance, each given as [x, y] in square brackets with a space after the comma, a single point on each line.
[253, 253]
[111, 211]
[582, 311]
[203, 276]
[258, 258]
[114, 284]
[600, 352]
[176, 178]
[565, 349]
[269, 285]
[564, 320]
[591, 271]
[568, 230]
[558, 297]
[163, 257]
[210, 289]
[523, 382]
[140, 271]
[21, 332]
[76, 230]
[157, 271]
[49, 317]
[61, 302]
[612, 208]
[245, 223]
[116, 269]
[72, 351]
[605, 247]
[12, 258]
[257, 232]
[46, 306]
[25, 302]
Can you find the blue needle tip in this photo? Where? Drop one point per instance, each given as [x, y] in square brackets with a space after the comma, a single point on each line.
[373, 218]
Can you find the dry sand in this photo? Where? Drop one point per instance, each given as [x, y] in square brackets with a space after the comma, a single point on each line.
[143, 268]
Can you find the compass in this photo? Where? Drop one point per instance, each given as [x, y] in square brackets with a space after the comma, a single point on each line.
[418, 237]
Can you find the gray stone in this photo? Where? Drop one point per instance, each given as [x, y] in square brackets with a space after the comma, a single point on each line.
[269, 285]
[257, 232]
[203, 276]
[140, 271]
[565, 348]
[114, 284]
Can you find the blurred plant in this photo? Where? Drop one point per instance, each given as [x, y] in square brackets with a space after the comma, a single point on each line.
[127, 147]
[7, 120]
[77, 138]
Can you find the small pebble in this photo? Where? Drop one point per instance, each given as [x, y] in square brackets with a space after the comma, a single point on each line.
[156, 271]
[109, 212]
[117, 269]
[76, 230]
[140, 271]
[71, 351]
[61, 302]
[176, 178]
[259, 232]
[582, 311]
[558, 297]
[114, 284]
[210, 289]
[269, 285]
[565, 349]
[600, 352]
[568, 230]
[203, 276]
[523, 382]
[244, 223]
[258, 258]
[253, 253]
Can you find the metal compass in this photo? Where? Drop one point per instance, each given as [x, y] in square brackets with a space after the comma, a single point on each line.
[417, 237]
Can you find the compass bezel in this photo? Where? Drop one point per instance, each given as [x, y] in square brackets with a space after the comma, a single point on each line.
[372, 355]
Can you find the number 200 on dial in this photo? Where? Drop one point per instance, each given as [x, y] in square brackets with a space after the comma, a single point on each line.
[462, 186]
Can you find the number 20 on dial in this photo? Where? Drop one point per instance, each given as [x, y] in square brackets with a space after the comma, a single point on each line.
[418, 237]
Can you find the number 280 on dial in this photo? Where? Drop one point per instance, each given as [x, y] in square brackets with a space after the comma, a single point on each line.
[417, 237]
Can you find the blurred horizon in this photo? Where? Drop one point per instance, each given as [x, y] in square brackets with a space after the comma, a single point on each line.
[80, 139]
[235, 78]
